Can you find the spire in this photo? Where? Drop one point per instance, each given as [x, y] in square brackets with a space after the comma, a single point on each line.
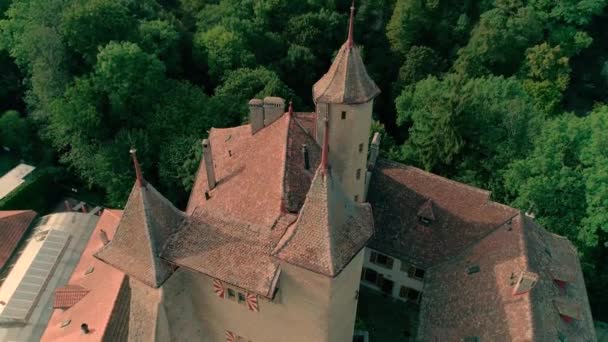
[346, 81]
[290, 110]
[325, 150]
[140, 178]
[351, 26]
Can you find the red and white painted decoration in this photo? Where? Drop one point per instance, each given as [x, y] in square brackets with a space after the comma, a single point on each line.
[252, 302]
[218, 288]
[231, 337]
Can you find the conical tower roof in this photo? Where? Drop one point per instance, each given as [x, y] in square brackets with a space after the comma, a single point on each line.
[347, 80]
[147, 222]
[330, 230]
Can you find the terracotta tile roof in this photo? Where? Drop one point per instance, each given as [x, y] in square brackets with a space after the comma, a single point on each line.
[460, 214]
[261, 175]
[13, 224]
[458, 304]
[346, 81]
[147, 222]
[233, 251]
[104, 284]
[331, 229]
[297, 180]
[68, 295]
[249, 171]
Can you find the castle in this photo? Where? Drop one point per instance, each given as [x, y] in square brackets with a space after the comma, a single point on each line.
[291, 214]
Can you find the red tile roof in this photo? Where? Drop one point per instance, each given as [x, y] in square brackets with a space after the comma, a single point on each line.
[457, 304]
[233, 251]
[462, 214]
[13, 224]
[68, 295]
[331, 229]
[261, 185]
[148, 221]
[346, 81]
[261, 175]
[104, 284]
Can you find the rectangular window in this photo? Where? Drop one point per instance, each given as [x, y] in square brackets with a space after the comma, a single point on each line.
[409, 294]
[231, 294]
[413, 295]
[241, 298]
[343, 115]
[370, 276]
[381, 259]
[358, 174]
[356, 198]
[415, 272]
[360, 148]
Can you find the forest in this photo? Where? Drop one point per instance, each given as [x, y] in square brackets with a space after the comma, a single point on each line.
[506, 95]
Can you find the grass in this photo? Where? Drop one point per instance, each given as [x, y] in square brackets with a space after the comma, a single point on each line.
[386, 319]
[7, 162]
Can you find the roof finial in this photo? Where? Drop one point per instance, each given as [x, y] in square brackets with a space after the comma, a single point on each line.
[290, 108]
[351, 26]
[140, 178]
[325, 150]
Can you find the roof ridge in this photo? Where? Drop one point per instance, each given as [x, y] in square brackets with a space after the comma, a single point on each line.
[283, 204]
[445, 179]
[147, 229]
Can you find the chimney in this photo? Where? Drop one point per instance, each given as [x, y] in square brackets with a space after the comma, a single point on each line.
[306, 157]
[374, 150]
[256, 115]
[209, 167]
[85, 328]
[274, 107]
[104, 237]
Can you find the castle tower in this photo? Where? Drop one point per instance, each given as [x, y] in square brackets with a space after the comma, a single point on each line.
[345, 96]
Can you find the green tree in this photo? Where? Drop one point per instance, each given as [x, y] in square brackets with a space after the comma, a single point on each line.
[470, 129]
[161, 38]
[420, 62]
[499, 40]
[547, 74]
[564, 179]
[130, 78]
[88, 24]
[241, 85]
[15, 132]
[410, 18]
[224, 50]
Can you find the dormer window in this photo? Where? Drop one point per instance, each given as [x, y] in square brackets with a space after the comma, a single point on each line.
[561, 276]
[424, 220]
[567, 309]
[527, 281]
[426, 216]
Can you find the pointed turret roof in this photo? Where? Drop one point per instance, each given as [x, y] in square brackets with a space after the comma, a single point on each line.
[147, 222]
[347, 80]
[330, 230]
